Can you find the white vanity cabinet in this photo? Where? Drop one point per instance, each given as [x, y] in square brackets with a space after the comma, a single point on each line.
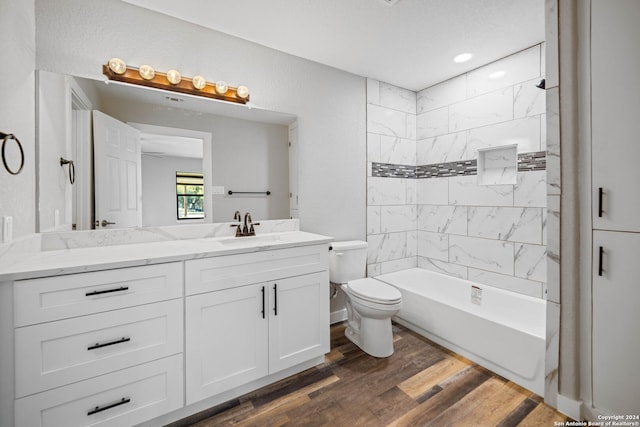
[99, 348]
[264, 312]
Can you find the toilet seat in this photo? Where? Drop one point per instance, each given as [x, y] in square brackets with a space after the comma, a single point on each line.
[374, 291]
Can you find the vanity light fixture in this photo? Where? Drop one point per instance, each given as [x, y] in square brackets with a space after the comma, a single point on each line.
[198, 82]
[172, 80]
[243, 92]
[221, 87]
[117, 65]
[174, 77]
[146, 72]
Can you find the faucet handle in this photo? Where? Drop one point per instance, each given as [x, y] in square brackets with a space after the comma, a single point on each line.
[238, 229]
[252, 231]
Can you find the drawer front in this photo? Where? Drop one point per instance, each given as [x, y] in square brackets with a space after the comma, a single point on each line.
[217, 273]
[60, 297]
[53, 354]
[122, 398]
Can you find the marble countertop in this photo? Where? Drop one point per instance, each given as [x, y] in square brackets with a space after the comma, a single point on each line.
[68, 261]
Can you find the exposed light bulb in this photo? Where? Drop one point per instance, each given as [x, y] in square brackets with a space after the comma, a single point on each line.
[174, 77]
[463, 57]
[198, 82]
[117, 65]
[146, 72]
[221, 87]
[243, 92]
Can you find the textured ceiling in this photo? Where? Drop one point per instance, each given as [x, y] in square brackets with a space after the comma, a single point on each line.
[410, 44]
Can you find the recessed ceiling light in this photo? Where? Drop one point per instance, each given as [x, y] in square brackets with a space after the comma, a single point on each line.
[497, 74]
[463, 57]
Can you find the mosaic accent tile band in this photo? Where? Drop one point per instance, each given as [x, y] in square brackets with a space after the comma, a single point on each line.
[527, 162]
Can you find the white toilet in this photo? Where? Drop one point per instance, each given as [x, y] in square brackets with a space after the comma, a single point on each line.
[370, 303]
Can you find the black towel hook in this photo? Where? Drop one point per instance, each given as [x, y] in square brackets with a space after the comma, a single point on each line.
[5, 138]
[72, 169]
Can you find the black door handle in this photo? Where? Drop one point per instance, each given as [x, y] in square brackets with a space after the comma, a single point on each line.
[263, 302]
[600, 193]
[600, 256]
[275, 299]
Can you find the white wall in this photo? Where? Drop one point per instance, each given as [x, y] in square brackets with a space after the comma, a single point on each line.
[76, 37]
[246, 156]
[17, 111]
[159, 188]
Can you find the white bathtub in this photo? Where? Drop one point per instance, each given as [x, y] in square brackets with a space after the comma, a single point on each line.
[505, 333]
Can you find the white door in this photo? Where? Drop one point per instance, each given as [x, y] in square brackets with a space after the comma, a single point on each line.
[299, 320]
[616, 293]
[118, 179]
[226, 340]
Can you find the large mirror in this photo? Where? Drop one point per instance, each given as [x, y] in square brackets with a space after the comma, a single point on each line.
[148, 157]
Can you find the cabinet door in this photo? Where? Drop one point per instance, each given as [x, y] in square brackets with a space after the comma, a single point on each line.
[299, 320]
[226, 340]
[615, 105]
[616, 295]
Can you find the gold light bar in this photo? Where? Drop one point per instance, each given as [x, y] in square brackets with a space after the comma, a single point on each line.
[239, 95]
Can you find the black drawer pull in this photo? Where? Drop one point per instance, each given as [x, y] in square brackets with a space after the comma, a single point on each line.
[275, 299]
[600, 256]
[600, 192]
[112, 405]
[263, 302]
[107, 291]
[107, 344]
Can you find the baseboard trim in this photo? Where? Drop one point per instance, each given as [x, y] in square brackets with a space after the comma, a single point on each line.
[570, 407]
[338, 316]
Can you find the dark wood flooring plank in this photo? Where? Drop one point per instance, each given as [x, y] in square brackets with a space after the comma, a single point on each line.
[518, 414]
[542, 415]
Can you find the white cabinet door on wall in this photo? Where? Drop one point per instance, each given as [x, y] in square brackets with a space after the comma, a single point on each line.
[616, 295]
[298, 324]
[226, 340]
[615, 105]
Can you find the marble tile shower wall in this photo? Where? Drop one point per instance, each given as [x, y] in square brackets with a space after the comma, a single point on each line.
[488, 234]
[391, 202]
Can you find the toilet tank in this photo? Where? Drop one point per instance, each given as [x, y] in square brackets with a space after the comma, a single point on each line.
[347, 261]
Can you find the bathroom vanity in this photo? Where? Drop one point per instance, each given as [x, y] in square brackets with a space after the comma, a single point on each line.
[125, 334]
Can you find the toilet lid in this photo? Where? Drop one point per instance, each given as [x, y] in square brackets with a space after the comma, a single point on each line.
[374, 290]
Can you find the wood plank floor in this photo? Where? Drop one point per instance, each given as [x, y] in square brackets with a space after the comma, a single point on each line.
[422, 384]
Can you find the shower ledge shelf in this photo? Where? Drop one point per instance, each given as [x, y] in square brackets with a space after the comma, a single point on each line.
[498, 165]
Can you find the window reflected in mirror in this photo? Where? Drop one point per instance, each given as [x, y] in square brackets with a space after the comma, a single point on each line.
[190, 195]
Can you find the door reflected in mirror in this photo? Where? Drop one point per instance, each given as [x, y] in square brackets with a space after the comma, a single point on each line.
[139, 152]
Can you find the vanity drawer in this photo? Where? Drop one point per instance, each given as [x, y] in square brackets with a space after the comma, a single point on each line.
[122, 398]
[57, 353]
[223, 272]
[60, 297]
